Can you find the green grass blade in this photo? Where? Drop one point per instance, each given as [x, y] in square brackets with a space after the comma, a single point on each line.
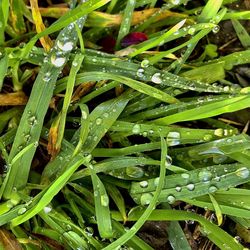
[32, 119]
[101, 205]
[230, 105]
[242, 34]
[126, 21]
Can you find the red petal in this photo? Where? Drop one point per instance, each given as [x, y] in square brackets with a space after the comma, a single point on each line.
[133, 38]
[108, 44]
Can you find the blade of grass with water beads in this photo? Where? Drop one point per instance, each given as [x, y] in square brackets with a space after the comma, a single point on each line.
[208, 110]
[61, 119]
[102, 211]
[49, 194]
[126, 21]
[195, 183]
[32, 119]
[152, 200]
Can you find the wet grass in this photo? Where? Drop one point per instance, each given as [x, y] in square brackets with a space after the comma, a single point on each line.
[94, 144]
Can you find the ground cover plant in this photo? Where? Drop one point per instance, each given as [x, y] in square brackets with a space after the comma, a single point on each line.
[124, 124]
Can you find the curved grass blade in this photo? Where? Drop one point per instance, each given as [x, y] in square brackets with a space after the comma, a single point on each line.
[214, 233]
[208, 110]
[152, 202]
[102, 211]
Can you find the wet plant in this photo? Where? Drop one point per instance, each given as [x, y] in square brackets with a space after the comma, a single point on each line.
[95, 144]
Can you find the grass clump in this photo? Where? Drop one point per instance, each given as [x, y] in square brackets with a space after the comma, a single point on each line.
[117, 116]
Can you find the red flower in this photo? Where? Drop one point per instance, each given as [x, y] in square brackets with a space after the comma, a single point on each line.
[133, 38]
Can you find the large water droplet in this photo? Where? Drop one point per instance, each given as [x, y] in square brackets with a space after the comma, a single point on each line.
[104, 200]
[205, 176]
[212, 189]
[21, 210]
[134, 172]
[143, 184]
[156, 78]
[190, 186]
[178, 188]
[185, 176]
[191, 31]
[168, 161]
[218, 132]
[47, 209]
[136, 129]
[243, 172]
[145, 63]
[173, 138]
[98, 121]
[68, 46]
[216, 29]
[171, 199]
[146, 198]
[89, 231]
[140, 72]
[58, 61]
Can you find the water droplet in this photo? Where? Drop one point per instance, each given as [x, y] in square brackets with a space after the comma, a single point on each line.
[191, 31]
[143, 184]
[216, 29]
[106, 115]
[89, 231]
[207, 137]
[156, 181]
[32, 120]
[134, 172]
[212, 189]
[98, 121]
[145, 63]
[190, 186]
[136, 129]
[170, 199]
[47, 210]
[21, 210]
[185, 176]
[68, 46]
[173, 138]
[47, 76]
[146, 198]
[58, 61]
[140, 72]
[68, 227]
[168, 161]
[205, 176]
[144, 134]
[218, 132]
[156, 78]
[36, 144]
[178, 188]
[243, 172]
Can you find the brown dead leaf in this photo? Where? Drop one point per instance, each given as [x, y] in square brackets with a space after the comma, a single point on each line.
[13, 99]
[8, 240]
[82, 90]
[52, 146]
[45, 41]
